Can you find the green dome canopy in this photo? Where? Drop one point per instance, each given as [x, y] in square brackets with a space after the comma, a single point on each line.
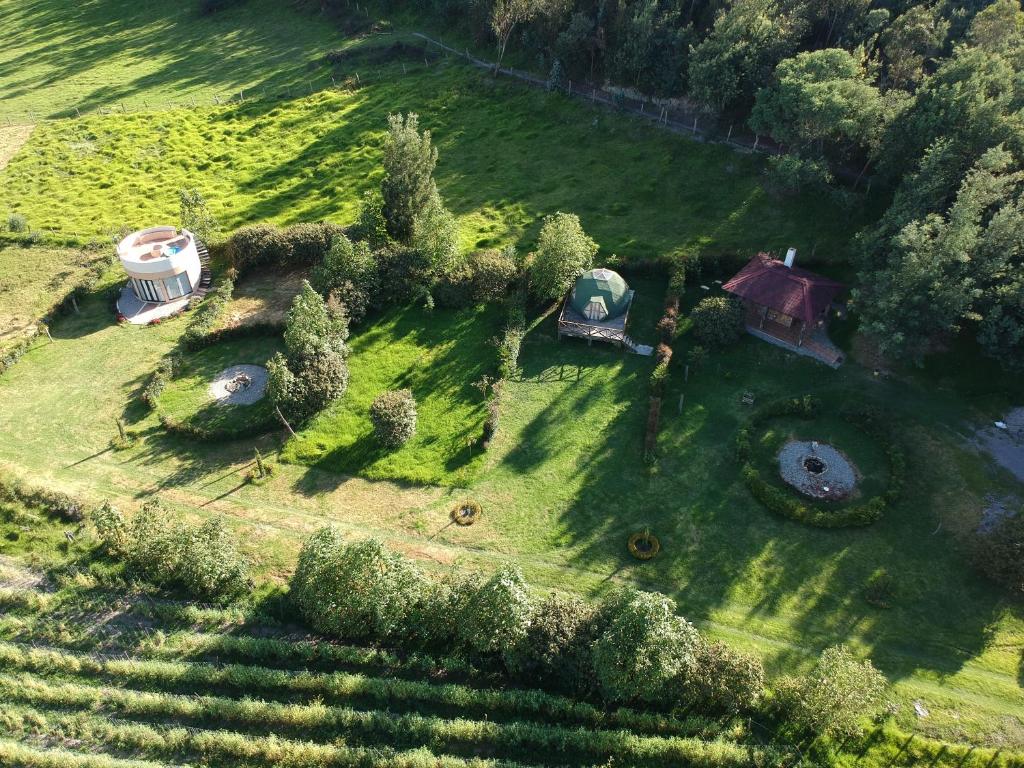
[600, 294]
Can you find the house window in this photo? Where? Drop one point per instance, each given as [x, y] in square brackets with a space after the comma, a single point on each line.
[778, 317]
[146, 290]
[177, 286]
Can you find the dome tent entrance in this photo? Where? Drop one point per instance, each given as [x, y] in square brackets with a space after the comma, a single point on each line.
[597, 307]
[600, 294]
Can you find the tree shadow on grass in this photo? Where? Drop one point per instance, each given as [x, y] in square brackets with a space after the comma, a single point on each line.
[727, 560]
[68, 43]
[438, 357]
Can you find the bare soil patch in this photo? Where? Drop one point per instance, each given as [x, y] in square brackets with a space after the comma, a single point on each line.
[263, 298]
[12, 138]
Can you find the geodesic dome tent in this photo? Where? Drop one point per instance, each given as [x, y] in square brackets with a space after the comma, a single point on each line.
[600, 295]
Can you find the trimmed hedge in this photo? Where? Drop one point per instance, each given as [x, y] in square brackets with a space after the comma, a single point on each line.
[56, 503]
[198, 332]
[785, 503]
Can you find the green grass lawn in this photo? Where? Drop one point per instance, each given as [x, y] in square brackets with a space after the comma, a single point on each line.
[438, 356]
[32, 279]
[187, 399]
[565, 483]
[58, 57]
[311, 158]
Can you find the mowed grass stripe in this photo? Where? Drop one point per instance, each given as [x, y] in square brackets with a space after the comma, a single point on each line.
[566, 746]
[353, 690]
[14, 754]
[224, 747]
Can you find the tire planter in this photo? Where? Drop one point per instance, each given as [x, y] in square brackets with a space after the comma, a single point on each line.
[644, 546]
[465, 513]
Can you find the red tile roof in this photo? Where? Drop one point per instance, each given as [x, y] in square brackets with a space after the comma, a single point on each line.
[790, 290]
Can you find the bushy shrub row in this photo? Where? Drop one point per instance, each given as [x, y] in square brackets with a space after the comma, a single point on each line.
[170, 552]
[785, 503]
[508, 346]
[56, 503]
[233, 430]
[198, 332]
[266, 245]
[631, 649]
[499, 703]
[782, 502]
[666, 328]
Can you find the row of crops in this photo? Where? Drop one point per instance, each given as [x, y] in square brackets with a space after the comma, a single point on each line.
[87, 679]
[187, 695]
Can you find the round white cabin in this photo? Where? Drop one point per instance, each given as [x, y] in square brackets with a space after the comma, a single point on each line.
[162, 262]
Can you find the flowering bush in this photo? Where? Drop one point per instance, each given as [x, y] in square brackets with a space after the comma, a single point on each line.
[645, 647]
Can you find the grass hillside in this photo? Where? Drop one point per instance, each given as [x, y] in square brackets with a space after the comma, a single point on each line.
[59, 57]
[95, 672]
[33, 279]
[564, 482]
[509, 156]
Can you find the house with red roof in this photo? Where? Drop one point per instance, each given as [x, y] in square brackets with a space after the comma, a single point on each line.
[788, 306]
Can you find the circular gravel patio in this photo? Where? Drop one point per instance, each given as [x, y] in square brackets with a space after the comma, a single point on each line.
[817, 469]
[239, 385]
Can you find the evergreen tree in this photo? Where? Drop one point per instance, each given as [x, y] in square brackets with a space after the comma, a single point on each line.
[408, 185]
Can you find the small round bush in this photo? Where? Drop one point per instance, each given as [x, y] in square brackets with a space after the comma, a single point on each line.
[717, 320]
[16, 222]
[999, 552]
[359, 590]
[393, 414]
[492, 271]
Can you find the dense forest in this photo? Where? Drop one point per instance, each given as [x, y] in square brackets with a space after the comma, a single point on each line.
[924, 98]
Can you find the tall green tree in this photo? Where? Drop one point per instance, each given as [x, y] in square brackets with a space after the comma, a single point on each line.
[942, 270]
[435, 234]
[818, 98]
[506, 15]
[564, 252]
[408, 185]
[738, 56]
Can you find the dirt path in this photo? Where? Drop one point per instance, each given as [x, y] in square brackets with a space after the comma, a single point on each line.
[12, 138]
[1005, 446]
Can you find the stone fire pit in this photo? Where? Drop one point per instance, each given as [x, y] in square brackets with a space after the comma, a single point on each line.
[239, 385]
[817, 470]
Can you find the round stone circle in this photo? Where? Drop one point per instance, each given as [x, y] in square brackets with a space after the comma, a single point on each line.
[817, 470]
[239, 385]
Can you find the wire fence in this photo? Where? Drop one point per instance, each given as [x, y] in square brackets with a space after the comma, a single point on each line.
[669, 114]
